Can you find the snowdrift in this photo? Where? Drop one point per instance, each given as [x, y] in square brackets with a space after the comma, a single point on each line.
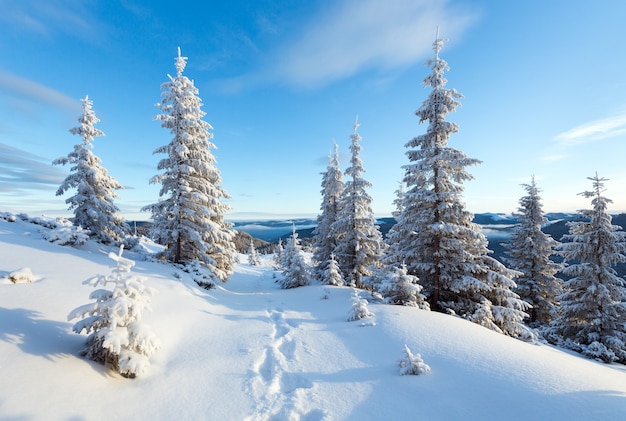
[248, 350]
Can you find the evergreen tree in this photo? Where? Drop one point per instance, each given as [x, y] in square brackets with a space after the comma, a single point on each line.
[253, 256]
[440, 243]
[592, 315]
[296, 272]
[359, 242]
[393, 239]
[189, 220]
[325, 239]
[93, 205]
[117, 335]
[401, 288]
[332, 276]
[529, 252]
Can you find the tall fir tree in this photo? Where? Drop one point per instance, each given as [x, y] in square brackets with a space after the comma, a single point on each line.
[529, 251]
[93, 205]
[325, 239]
[359, 242]
[441, 244]
[592, 314]
[189, 219]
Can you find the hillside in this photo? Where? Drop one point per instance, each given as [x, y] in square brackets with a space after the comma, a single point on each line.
[248, 350]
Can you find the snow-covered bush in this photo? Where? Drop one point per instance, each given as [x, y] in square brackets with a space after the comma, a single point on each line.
[359, 308]
[412, 364]
[65, 234]
[201, 275]
[21, 276]
[9, 217]
[116, 335]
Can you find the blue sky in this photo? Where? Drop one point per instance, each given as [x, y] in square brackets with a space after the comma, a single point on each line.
[544, 85]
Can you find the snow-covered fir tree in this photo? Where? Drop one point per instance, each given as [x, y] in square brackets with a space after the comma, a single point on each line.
[412, 364]
[359, 309]
[401, 288]
[189, 218]
[439, 241]
[325, 239]
[117, 335]
[93, 205]
[529, 251]
[295, 271]
[359, 242]
[592, 315]
[253, 255]
[332, 275]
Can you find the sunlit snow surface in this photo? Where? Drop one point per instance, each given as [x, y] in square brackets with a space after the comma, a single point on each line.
[251, 351]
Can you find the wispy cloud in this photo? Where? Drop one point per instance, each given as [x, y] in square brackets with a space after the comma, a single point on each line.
[71, 17]
[22, 171]
[353, 35]
[24, 89]
[593, 131]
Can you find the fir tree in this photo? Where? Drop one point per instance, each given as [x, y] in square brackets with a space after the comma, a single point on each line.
[529, 252]
[325, 239]
[401, 288]
[296, 272]
[332, 276]
[117, 335]
[359, 242]
[592, 315]
[253, 256]
[93, 205]
[439, 241]
[189, 219]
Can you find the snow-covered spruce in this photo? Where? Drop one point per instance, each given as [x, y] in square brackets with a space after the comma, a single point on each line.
[401, 288]
[295, 271]
[359, 242]
[325, 239]
[592, 315]
[359, 308]
[529, 251]
[412, 363]
[189, 218]
[436, 236]
[332, 274]
[93, 205]
[117, 337]
[253, 255]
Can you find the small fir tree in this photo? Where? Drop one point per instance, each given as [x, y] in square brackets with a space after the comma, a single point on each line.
[592, 315]
[325, 239]
[359, 242]
[333, 273]
[93, 205]
[412, 363]
[189, 220]
[117, 337]
[529, 251]
[253, 256]
[401, 288]
[359, 308]
[296, 272]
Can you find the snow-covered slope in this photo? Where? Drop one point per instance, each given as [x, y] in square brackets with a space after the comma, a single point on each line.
[251, 351]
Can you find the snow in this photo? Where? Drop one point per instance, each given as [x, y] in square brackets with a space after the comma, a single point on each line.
[249, 350]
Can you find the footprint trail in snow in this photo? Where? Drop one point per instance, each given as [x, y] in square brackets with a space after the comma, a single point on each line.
[280, 394]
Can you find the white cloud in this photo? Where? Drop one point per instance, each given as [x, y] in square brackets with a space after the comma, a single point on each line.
[21, 171]
[22, 88]
[593, 131]
[358, 34]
